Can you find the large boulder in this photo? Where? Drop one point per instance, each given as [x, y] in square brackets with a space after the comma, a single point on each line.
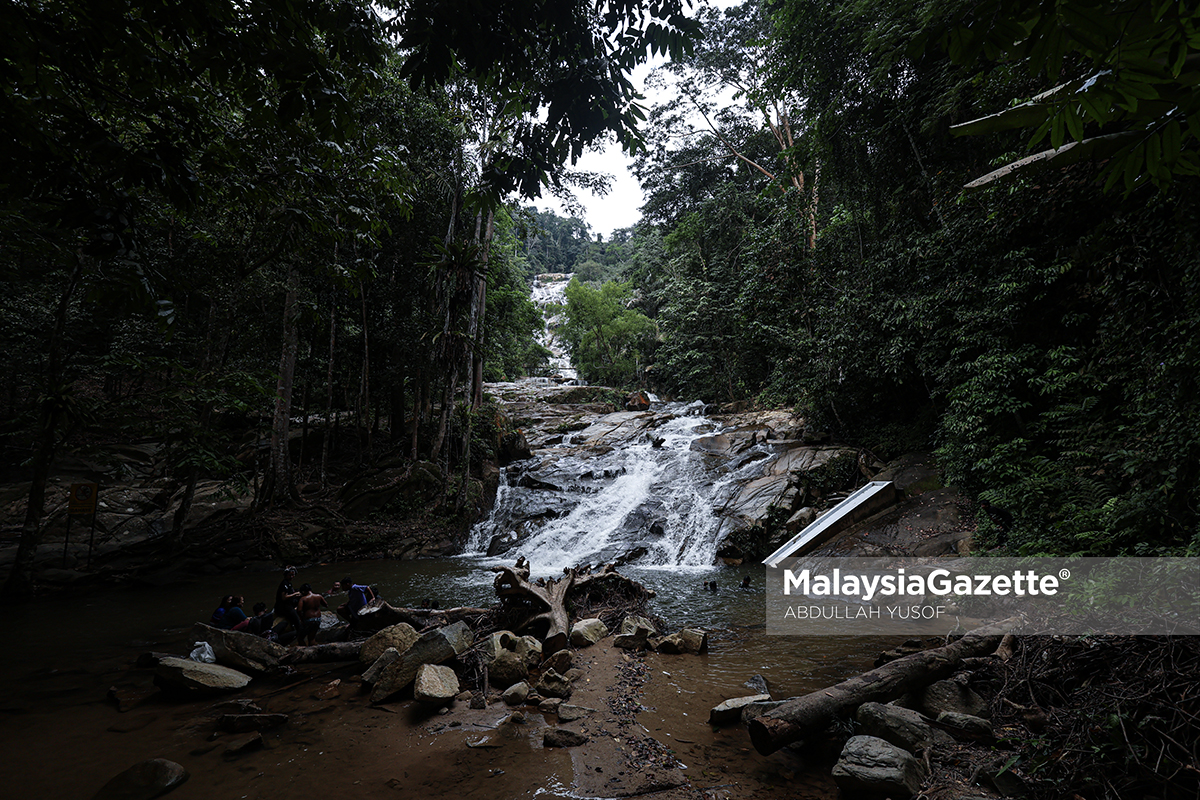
[688, 640]
[516, 694]
[242, 651]
[634, 633]
[144, 781]
[587, 632]
[434, 647]
[371, 676]
[506, 669]
[871, 767]
[401, 636]
[776, 487]
[527, 648]
[902, 727]
[950, 695]
[553, 685]
[435, 685]
[194, 677]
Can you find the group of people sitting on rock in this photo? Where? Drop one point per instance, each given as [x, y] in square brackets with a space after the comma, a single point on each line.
[300, 610]
[231, 616]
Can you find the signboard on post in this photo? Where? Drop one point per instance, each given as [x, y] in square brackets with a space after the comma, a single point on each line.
[82, 501]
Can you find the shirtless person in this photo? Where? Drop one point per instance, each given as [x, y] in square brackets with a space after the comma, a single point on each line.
[309, 608]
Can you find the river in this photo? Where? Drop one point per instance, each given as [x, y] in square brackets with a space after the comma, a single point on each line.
[65, 652]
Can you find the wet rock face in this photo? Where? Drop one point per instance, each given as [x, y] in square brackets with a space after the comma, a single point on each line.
[663, 485]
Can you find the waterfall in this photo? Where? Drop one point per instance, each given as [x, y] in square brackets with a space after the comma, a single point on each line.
[549, 294]
[648, 499]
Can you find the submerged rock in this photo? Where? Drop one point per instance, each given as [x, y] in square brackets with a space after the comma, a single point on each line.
[561, 737]
[144, 781]
[688, 640]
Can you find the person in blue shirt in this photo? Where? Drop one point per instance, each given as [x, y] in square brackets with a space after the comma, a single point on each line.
[358, 597]
[218, 616]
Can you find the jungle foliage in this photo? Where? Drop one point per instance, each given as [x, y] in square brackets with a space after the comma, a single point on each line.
[221, 216]
[819, 248]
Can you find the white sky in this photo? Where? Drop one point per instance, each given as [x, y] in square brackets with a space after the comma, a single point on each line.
[621, 207]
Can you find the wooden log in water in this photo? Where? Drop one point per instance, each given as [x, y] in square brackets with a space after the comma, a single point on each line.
[333, 651]
[804, 716]
[384, 615]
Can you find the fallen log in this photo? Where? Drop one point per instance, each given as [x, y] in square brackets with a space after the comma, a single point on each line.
[317, 653]
[812, 713]
[385, 615]
[544, 601]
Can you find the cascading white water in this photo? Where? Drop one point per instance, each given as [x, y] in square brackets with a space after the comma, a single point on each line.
[650, 501]
[549, 294]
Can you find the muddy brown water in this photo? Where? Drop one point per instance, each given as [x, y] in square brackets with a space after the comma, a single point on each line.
[61, 737]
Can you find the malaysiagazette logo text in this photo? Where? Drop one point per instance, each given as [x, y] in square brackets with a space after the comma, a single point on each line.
[899, 584]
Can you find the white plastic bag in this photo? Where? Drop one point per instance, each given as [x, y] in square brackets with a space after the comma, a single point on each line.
[204, 653]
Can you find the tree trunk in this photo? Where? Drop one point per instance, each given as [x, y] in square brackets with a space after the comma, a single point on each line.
[804, 716]
[366, 373]
[444, 422]
[20, 579]
[331, 651]
[282, 486]
[326, 439]
[385, 615]
[549, 598]
[396, 408]
[418, 395]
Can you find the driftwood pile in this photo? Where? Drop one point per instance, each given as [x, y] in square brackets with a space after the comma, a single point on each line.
[805, 716]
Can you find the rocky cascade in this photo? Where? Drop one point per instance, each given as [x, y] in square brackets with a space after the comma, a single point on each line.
[669, 486]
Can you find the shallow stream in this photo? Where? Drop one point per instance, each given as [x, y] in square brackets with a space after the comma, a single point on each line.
[65, 652]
